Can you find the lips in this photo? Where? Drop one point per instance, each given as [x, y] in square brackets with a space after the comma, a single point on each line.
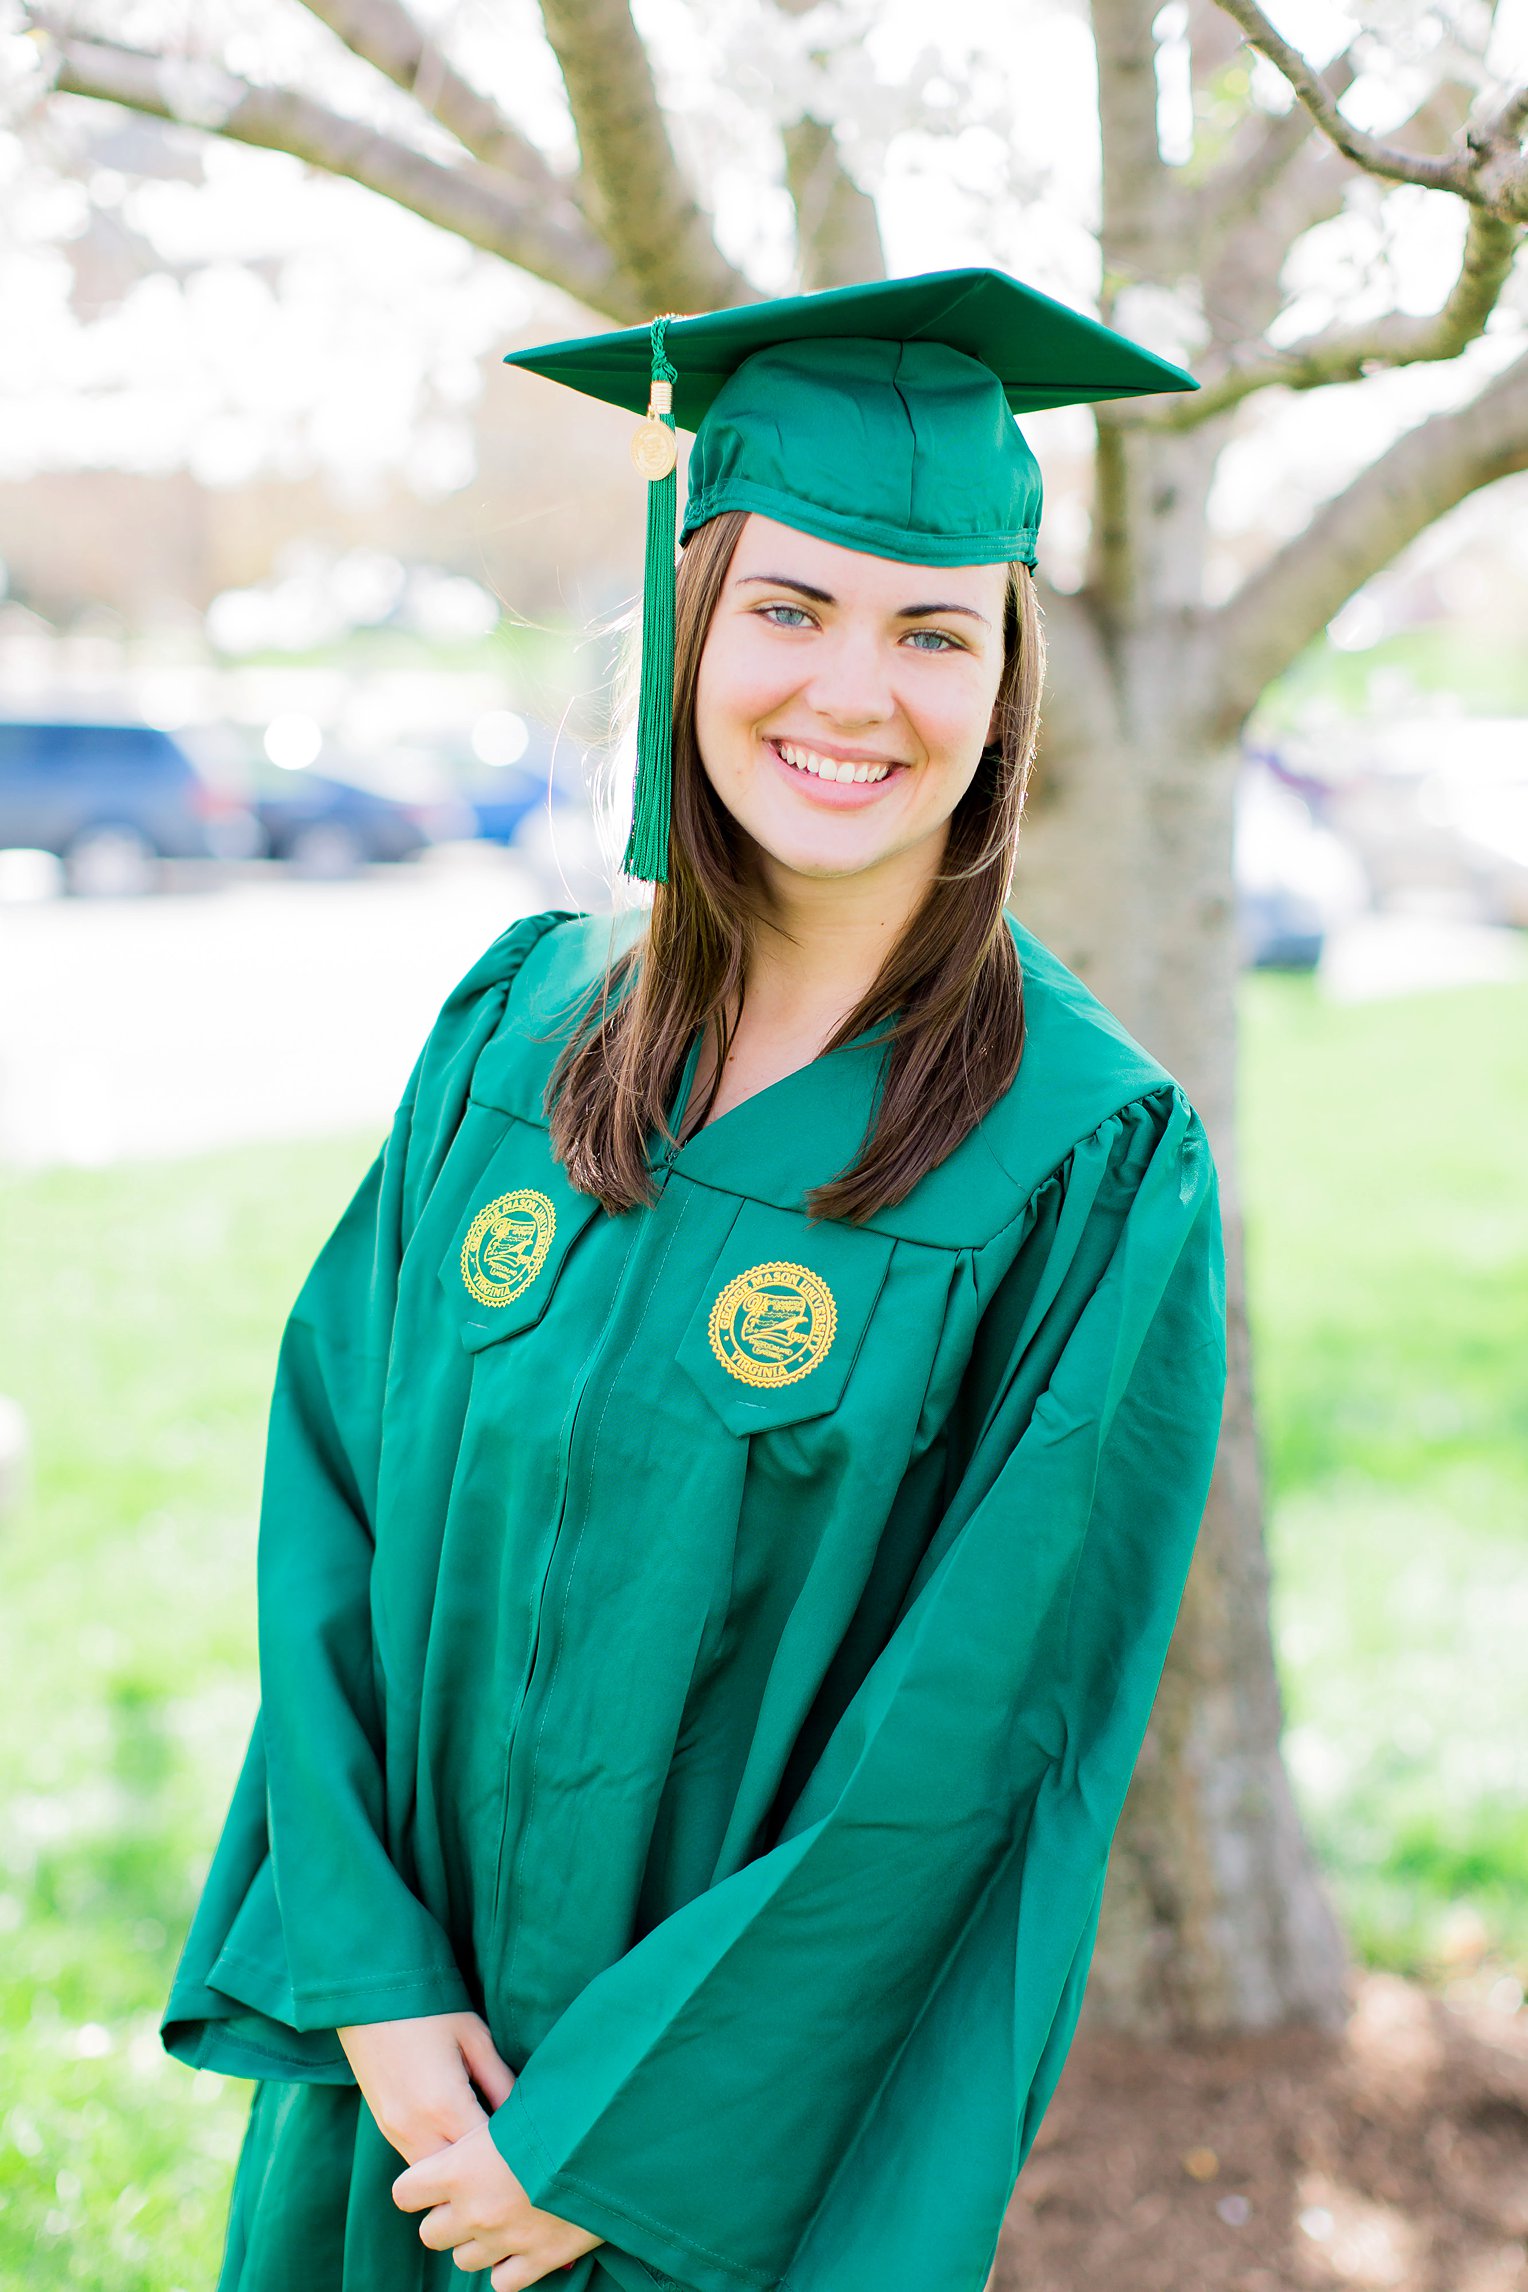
[836, 771]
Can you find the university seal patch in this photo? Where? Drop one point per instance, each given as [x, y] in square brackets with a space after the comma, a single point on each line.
[506, 1246]
[773, 1324]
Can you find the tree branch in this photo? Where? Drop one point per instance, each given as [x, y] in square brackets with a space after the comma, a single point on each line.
[1366, 151]
[838, 233]
[1242, 275]
[1495, 145]
[1135, 182]
[1290, 600]
[383, 34]
[1133, 241]
[1243, 254]
[1486, 166]
[1347, 353]
[1081, 706]
[638, 199]
[487, 210]
[1268, 143]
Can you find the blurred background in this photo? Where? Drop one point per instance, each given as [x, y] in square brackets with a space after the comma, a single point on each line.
[310, 623]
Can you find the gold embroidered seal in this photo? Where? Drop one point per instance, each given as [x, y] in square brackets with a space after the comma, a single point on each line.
[773, 1324]
[506, 1246]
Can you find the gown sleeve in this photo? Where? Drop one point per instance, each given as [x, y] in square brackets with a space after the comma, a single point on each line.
[826, 2070]
[305, 1924]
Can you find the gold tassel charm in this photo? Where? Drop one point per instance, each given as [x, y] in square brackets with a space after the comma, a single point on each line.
[654, 448]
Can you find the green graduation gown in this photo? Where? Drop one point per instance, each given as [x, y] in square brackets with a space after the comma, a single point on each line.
[713, 1646]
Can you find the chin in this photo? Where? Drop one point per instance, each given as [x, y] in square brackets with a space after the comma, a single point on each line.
[821, 856]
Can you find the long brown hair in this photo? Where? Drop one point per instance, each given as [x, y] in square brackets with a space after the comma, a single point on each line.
[951, 985]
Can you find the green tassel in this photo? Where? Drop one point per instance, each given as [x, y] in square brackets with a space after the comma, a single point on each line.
[646, 854]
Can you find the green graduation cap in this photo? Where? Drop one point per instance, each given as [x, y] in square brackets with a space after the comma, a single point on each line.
[879, 417]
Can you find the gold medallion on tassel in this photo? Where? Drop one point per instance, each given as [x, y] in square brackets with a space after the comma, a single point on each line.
[654, 450]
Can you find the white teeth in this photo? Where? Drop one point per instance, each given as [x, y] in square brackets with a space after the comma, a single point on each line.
[828, 767]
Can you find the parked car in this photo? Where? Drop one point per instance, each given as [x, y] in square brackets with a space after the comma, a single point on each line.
[328, 827]
[514, 769]
[1438, 809]
[1295, 877]
[1487, 809]
[502, 804]
[112, 802]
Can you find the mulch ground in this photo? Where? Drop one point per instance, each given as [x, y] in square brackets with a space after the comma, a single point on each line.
[1394, 2156]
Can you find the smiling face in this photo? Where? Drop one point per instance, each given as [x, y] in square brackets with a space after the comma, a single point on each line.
[843, 701]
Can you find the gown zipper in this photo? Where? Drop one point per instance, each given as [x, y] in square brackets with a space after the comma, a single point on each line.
[662, 1172]
[554, 1545]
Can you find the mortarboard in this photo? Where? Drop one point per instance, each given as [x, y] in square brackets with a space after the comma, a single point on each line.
[880, 417]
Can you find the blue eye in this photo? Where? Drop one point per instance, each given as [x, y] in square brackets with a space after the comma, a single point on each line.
[803, 617]
[939, 641]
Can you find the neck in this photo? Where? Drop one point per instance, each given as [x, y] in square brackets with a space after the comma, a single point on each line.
[824, 939]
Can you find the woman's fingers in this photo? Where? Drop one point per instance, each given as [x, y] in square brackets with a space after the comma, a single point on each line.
[519, 2270]
[475, 2255]
[490, 2073]
[424, 2183]
[523, 2268]
[419, 2133]
[416, 2078]
[439, 2229]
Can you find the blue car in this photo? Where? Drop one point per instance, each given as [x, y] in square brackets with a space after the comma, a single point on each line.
[328, 827]
[502, 805]
[515, 768]
[1296, 880]
[112, 802]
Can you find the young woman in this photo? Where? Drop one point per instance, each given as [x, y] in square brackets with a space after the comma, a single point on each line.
[734, 1466]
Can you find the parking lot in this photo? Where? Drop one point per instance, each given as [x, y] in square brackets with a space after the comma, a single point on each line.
[256, 1005]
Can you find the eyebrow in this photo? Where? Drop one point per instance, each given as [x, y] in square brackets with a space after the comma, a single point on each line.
[824, 597]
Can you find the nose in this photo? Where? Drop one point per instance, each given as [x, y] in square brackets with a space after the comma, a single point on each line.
[852, 685]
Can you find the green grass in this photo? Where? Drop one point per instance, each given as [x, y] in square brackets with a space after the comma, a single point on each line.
[1448, 657]
[542, 660]
[142, 1307]
[1385, 1157]
[1388, 1241]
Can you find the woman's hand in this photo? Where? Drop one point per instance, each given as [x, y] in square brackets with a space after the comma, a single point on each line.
[474, 2206]
[418, 2077]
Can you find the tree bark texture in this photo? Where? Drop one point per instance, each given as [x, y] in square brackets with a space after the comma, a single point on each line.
[1214, 1917]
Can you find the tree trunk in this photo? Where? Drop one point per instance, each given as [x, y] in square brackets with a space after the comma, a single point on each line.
[1214, 1918]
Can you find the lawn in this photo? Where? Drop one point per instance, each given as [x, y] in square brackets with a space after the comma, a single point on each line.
[1388, 1241]
[1386, 1150]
